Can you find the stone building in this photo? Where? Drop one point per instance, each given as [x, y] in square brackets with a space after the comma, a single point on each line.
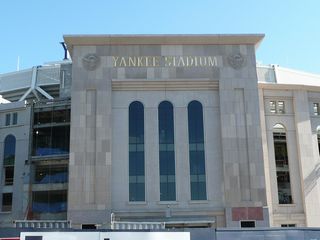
[166, 131]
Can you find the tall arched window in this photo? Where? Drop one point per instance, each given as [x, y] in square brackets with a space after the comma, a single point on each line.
[9, 155]
[282, 164]
[166, 152]
[196, 151]
[136, 152]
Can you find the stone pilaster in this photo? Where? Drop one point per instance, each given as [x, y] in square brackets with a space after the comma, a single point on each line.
[89, 199]
[241, 137]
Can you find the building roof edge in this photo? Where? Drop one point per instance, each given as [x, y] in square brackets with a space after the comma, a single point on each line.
[165, 39]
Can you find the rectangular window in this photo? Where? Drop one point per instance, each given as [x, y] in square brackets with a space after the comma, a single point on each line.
[51, 132]
[6, 202]
[281, 107]
[89, 226]
[54, 202]
[167, 176]
[14, 118]
[8, 117]
[61, 115]
[8, 175]
[51, 140]
[247, 224]
[43, 116]
[51, 174]
[52, 115]
[282, 168]
[272, 106]
[33, 238]
[316, 109]
[288, 225]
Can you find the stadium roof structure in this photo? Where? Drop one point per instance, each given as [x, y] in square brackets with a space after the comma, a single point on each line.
[39, 82]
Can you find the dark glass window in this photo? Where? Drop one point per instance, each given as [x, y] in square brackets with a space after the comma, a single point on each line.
[51, 174]
[6, 202]
[51, 133]
[14, 118]
[196, 151]
[166, 152]
[8, 117]
[51, 140]
[136, 152]
[282, 165]
[43, 116]
[33, 238]
[288, 225]
[59, 114]
[49, 201]
[9, 159]
[8, 175]
[248, 224]
[9, 150]
[89, 226]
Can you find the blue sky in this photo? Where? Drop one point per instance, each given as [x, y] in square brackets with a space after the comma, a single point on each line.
[32, 29]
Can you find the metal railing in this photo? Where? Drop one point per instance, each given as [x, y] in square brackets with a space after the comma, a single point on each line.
[137, 225]
[41, 224]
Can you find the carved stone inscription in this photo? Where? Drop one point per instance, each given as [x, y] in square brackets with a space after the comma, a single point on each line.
[165, 61]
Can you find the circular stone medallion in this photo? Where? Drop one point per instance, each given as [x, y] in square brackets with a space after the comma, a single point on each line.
[91, 61]
[236, 61]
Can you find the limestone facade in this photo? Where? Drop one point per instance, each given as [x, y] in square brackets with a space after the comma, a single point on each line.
[104, 85]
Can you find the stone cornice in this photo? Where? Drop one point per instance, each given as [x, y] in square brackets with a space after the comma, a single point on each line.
[183, 39]
[279, 86]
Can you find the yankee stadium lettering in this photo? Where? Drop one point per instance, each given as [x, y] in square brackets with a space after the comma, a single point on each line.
[165, 61]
